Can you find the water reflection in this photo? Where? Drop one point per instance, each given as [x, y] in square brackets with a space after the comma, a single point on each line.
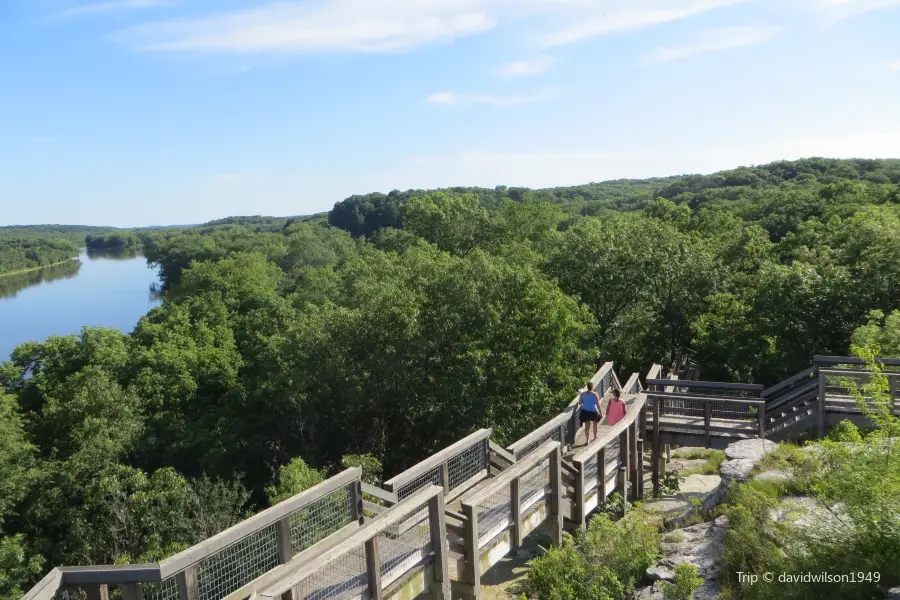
[123, 254]
[11, 285]
[156, 292]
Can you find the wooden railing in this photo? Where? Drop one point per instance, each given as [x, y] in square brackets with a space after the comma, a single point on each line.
[501, 514]
[247, 550]
[376, 560]
[455, 468]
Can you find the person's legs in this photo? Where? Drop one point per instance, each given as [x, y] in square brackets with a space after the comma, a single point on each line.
[595, 429]
[587, 425]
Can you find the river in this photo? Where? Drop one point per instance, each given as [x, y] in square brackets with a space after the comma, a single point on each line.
[104, 290]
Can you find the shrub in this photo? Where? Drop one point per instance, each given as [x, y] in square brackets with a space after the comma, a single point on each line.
[685, 582]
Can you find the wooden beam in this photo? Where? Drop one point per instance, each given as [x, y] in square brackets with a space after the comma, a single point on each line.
[821, 407]
[385, 496]
[555, 512]
[472, 574]
[515, 509]
[437, 526]
[188, 588]
[435, 460]
[373, 568]
[132, 591]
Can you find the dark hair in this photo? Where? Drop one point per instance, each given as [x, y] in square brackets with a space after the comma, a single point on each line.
[616, 393]
[589, 385]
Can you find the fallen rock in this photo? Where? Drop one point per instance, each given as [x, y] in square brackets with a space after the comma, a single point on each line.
[750, 448]
[743, 456]
[738, 469]
[775, 476]
[893, 594]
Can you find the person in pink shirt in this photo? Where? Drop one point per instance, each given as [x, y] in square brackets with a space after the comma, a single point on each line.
[615, 412]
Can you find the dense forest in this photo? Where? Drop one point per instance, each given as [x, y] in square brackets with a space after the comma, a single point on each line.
[114, 241]
[404, 321]
[19, 254]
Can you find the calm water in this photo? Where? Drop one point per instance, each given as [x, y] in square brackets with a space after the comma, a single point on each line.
[105, 290]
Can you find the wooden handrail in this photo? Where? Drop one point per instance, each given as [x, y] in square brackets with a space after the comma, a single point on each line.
[750, 387]
[359, 538]
[232, 535]
[789, 382]
[379, 493]
[677, 396]
[437, 459]
[634, 379]
[554, 423]
[852, 360]
[515, 471]
[502, 452]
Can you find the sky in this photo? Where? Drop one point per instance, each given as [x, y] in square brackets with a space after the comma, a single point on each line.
[152, 112]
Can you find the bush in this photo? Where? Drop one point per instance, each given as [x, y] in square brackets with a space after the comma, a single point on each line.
[606, 561]
[686, 581]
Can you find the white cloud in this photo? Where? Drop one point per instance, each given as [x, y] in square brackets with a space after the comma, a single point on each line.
[452, 98]
[613, 17]
[107, 7]
[294, 26]
[525, 68]
[715, 40]
[894, 66]
[330, 25]
[838, 10]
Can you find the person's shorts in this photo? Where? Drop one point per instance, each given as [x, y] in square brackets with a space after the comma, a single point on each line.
[589, 415]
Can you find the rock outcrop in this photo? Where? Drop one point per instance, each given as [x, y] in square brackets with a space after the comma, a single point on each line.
[743, 456]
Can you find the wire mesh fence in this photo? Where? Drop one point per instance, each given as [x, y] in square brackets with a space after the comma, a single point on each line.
[71, 592]
[534, 488]
[430, 477]
[320, 519]
[552, 433]
[467, 464]
[494, 514]
[166, 589]
[345, 578]
[237, 565]
[404, 545]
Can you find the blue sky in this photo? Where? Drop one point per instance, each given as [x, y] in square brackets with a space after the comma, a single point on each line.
[139, 112]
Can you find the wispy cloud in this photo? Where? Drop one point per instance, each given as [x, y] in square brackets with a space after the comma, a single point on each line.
[609, 17]
[294, 26]
[838, 10]
[454, 99]
[335, 25]
[714, 40]
[894, 66]
[109, 7]
[525, 68]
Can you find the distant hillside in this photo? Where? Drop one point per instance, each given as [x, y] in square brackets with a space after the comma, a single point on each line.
[365, 214]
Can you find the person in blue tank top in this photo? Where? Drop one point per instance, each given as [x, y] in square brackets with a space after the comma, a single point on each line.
[589, 403]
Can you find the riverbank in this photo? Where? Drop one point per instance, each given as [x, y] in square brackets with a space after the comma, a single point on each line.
[33, 269]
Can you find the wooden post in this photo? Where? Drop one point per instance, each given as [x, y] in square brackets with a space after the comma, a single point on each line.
[621, 484]
[473, 560]
[373, 568]
[285, 550]
[640, 469]
[187, 584]
[668, 453]
[356, 506]
[445, 476]
[762, 421]
[515, 509]
[132, 591]
[556, 517]
[97, 591]
[622, 480]
[633, 459]
[578, 500]
[821, 409]
[707, 421]
[562, 436]
[656, 455]
[601, 475]
[438, 526]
